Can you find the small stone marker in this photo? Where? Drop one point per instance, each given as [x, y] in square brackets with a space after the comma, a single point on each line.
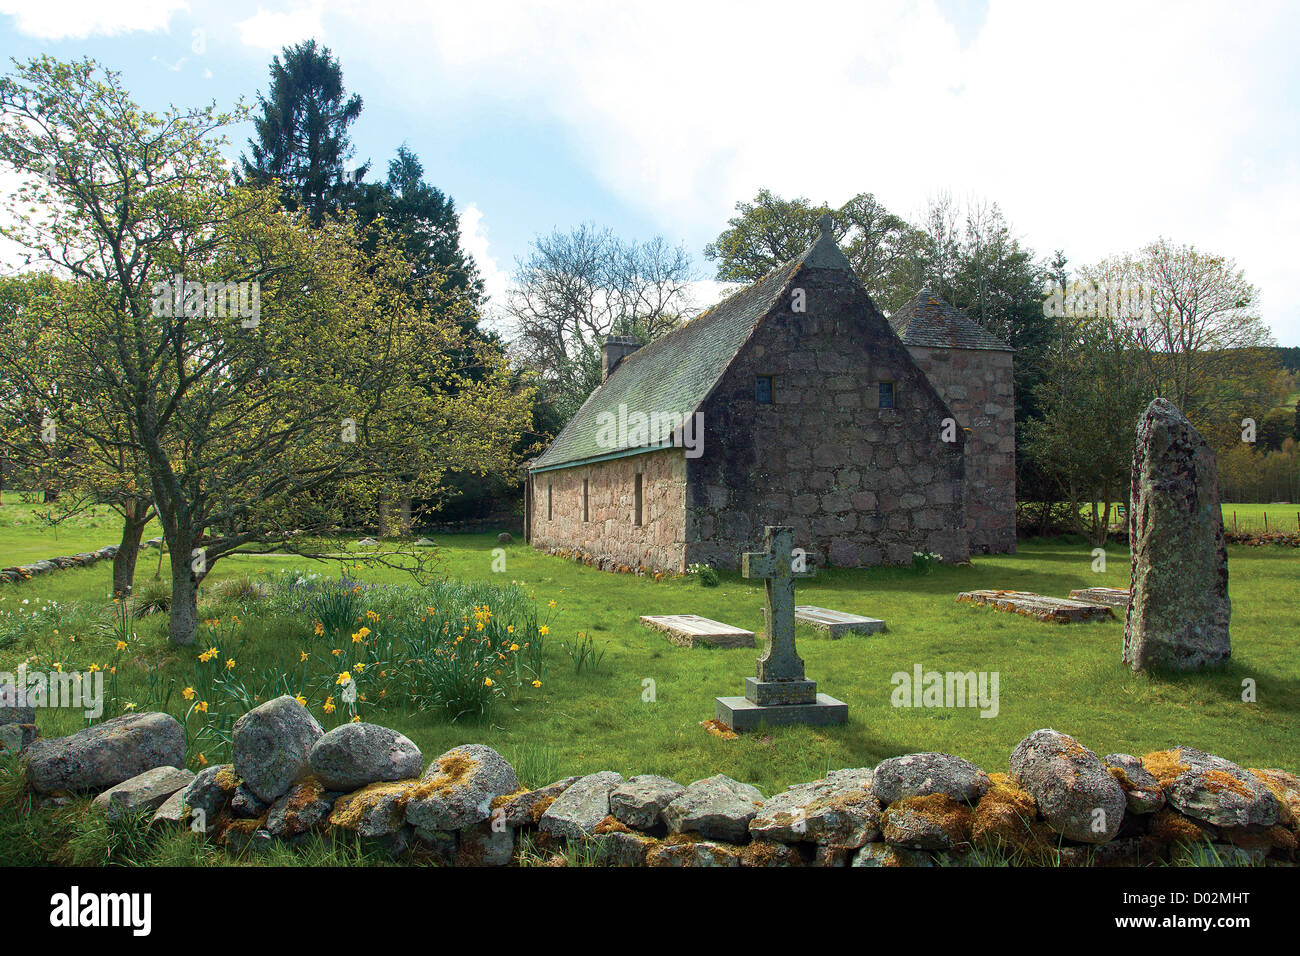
[689, 630]
[837, 623]
[1111, 597]
[1038, 606]
[779, 693]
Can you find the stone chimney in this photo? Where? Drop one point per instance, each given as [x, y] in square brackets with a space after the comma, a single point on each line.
[615, 349]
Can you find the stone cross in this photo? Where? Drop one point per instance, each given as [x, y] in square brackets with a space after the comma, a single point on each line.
[779, 694]
[780, 661]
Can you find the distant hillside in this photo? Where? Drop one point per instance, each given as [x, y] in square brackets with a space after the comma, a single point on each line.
[1289, 356]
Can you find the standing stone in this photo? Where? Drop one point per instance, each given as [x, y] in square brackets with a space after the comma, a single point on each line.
[1179, 610]
[272, 745]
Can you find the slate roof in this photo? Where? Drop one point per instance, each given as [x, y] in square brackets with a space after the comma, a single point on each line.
[927, 320]
[671, 375]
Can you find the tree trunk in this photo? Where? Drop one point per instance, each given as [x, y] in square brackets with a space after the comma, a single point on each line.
[127, 553]
[185, 601]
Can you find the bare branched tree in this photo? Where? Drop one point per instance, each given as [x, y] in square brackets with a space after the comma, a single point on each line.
[578, 287]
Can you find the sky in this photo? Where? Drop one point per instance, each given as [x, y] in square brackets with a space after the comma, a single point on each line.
[1096, 127]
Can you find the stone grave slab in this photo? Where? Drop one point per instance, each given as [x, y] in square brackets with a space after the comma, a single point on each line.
[1111, 597]
[689, 630]
[1038, 606]
[837, 623]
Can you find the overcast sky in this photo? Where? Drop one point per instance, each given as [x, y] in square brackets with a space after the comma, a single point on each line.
[1097, 127]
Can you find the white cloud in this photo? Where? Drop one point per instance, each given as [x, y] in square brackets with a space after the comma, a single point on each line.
[1095, 129]
[271, 30]
[63, 19]
[474, 240]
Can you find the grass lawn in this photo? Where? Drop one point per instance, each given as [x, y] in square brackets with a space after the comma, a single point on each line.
[1067, 677]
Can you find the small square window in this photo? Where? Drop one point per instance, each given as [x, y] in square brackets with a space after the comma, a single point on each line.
[763, 390]
[886, 394]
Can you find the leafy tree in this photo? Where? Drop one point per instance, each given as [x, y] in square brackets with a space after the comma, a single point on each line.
[85, 471]
[1202, 338]
[257, 429]
[301, 132]
[1091, 396]
[772, 230]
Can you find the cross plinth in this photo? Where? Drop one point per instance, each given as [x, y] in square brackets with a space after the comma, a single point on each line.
[779, 693]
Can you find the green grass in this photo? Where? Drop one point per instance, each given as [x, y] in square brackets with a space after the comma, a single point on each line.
[1067, 677]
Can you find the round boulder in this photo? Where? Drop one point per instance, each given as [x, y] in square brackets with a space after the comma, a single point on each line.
[353, 755]
[272, 747]
[919, 775]
[106, 754]
[1074, 791]
[458, 788]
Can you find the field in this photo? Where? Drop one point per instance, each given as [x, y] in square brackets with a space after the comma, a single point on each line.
[1066, 677]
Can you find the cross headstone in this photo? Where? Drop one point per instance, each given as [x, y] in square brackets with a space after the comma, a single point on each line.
[779, 693]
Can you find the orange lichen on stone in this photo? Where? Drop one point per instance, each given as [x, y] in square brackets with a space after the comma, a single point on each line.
[1286, 788]
[1164, 765]
[453, 770]
[348, 810]
[499, 802]
[759, 853]
[304, 794]
[540, 807]
[1169, 827]
[1216, 781]
[1007, 817]
[1121, 778]
[951, 816]
[612, 824]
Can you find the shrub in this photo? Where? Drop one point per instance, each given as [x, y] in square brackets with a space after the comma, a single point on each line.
[707, 574]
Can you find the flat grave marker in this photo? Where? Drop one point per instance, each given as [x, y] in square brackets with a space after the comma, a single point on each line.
[1111, 597]
[1038, 606]
[837, 623]
[690, 630]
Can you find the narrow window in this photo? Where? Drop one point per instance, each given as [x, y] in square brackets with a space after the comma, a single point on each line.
[886, 394]
[549, 512]
[763, 390]
[586, 515]
[636, 498]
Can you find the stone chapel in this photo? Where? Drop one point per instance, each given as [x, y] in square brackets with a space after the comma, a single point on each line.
[792, 402]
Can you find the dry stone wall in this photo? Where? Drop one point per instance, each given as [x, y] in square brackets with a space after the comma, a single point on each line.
[1057, 804]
